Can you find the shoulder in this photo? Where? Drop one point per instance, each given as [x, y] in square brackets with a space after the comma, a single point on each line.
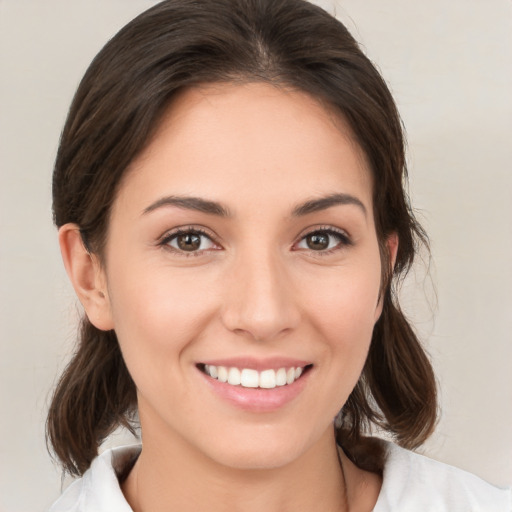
[98, 490]
[415, 482]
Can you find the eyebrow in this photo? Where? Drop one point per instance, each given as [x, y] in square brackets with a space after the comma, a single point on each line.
[215, 208]
[189, 203]
[322, 203]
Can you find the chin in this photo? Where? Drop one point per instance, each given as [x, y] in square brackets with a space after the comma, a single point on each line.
[257, 458]
[260, 450]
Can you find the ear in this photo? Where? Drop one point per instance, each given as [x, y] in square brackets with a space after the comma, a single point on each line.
[87, 277]
[392, 250]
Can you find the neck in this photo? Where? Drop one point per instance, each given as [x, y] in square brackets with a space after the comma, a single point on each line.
[173, 476]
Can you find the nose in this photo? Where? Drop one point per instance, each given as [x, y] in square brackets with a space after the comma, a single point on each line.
[259, 298]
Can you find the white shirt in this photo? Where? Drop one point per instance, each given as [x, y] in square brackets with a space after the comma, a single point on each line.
[411, 483]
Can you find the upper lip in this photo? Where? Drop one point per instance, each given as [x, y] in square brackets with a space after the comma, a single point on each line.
[271, 363]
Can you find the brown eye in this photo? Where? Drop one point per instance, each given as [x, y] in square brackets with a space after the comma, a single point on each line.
[188, 242]
[318, 241]
[324, 240]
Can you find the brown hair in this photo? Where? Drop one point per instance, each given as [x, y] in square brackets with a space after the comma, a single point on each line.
[181, 43]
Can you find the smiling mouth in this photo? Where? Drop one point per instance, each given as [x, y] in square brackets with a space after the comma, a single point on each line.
[250, 378]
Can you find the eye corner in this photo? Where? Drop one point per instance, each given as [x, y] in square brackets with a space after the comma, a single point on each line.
[200, 241]
[324, 240]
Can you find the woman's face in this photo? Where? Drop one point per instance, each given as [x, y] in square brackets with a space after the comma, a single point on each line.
[242, 245]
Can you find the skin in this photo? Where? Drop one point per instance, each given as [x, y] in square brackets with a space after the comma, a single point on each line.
[254, 288]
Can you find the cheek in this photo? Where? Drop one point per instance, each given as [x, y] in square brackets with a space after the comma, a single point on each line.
[348, 298]
[343, 312]
[157, 313]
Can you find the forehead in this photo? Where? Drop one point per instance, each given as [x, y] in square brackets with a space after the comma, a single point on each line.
[250, 141]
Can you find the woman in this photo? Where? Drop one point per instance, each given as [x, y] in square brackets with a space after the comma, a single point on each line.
[231, 212]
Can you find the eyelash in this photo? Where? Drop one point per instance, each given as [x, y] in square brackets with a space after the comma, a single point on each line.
[342, 237]
[166, 240]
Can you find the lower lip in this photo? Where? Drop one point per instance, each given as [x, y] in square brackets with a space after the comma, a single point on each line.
[257, 399]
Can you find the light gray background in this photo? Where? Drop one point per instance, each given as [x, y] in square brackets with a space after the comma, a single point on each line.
[449, 65]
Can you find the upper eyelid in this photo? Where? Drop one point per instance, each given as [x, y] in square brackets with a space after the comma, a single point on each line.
[167, 235]
[324, 228]
[187, 229]
[164, 241]
[345, 239]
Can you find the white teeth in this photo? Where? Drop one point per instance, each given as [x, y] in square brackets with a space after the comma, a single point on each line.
[250, 378]
[234, 376]
[281, 377]
[268, 379]
[222, 373]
